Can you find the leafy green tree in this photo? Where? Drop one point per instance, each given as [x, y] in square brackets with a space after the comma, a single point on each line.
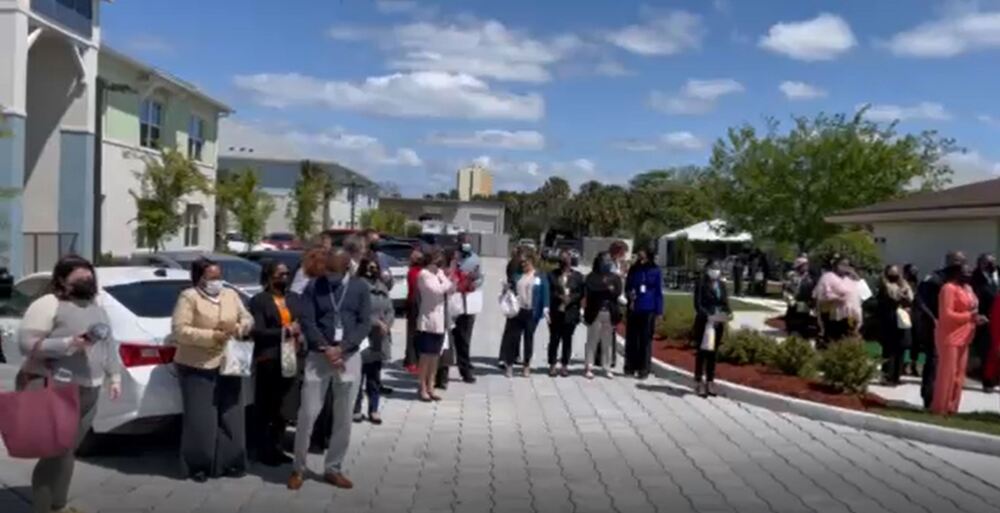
[387, 221]
[782, 186]
[662, 201]
[239, 194]
[600, 210]
[856, 245]
[307, 198]
[548, 203]
[162, 187]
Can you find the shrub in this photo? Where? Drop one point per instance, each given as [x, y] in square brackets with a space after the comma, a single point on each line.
[794, 357]
[746, 347]
[847, 367]
[676, 324]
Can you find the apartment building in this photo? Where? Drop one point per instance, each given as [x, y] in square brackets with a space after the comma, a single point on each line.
[474, 181]
[79, 120]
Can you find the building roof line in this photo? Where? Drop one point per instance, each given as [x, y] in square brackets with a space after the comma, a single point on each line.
[166, 76]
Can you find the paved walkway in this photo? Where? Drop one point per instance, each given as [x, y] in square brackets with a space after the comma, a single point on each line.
[564, 445]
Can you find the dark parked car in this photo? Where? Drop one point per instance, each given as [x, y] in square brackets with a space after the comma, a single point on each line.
[291, 258]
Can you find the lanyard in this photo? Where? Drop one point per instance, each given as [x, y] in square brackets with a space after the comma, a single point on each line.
[343, 293]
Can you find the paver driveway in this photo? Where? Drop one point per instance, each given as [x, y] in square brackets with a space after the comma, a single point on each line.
[564, 445]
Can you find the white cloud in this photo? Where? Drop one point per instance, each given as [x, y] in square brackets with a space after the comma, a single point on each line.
[801, 91]
[971, 167]
[421, 94]
[611, 68]
[676, 142]
[722, 6]
[500, 139]
[957, 33]
[361, 152]
[662, 33]
[924, 111]
[822, 38]
[989, 120]
[529, 175]
[696, 97]
[481, 48]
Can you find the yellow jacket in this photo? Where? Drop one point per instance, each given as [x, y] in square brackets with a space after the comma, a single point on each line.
[197, 317]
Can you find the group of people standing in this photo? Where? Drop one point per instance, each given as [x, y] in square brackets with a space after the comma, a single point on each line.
[949, 314]
[612, 293]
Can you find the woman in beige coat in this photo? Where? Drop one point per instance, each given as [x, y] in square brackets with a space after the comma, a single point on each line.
[213, 438]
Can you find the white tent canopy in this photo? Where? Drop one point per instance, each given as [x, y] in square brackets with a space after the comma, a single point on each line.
[712, 231]
[708, 231]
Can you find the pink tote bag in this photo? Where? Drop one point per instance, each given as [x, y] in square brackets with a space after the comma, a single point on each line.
[41, 422]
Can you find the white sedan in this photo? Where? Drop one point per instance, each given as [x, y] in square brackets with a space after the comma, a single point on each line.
[139, 302]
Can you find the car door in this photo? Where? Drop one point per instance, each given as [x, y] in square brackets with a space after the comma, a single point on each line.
[24, 293]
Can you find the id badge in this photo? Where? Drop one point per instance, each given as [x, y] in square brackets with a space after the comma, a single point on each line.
[538, 281]
[338, 333]
[642, 289]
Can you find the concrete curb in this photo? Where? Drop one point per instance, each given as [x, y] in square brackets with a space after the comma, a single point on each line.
[927, 433]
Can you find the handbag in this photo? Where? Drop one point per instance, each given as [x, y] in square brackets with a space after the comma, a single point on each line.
[708, 337]
[509, 305]
[289, 356]
[903, 320]
[43, 422]
[237, 359]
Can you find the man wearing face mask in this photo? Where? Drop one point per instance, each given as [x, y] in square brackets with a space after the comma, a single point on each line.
[985, 285]
[466, 304]
[335, 317]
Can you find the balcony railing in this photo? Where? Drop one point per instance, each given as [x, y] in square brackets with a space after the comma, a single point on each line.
[74, 15]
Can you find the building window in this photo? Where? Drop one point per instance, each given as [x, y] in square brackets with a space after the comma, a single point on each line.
[150, 120]
[192, 225]
[196, 137]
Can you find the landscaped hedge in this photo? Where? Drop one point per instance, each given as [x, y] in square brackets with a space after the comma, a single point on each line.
[676, 324]
[846, 366]
[795, 356]
[746, 347]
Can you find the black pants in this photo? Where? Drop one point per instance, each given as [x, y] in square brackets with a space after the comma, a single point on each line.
[560, 334]
[521, 326]
[213, 436]
[371, 381]
[928, 376]
[737, 281]
[461, 339]
[411, 332]
[639, 342]
[271, 390]
[704, 366]
[894, 346]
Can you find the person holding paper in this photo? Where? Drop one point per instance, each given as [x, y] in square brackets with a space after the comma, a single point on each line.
[467, 301]
[274, 327]
[335, 312]
[213, 433]
[712, 312]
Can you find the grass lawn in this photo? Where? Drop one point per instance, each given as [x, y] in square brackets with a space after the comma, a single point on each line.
[685, 301]
[980, 422]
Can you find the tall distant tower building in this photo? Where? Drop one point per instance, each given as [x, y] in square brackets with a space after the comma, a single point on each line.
[473, 181]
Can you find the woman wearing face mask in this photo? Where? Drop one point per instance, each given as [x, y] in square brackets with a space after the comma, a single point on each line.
[274, 321]
[533, 299]
[602, 312]
[958, 317]
[644, 289]
[207, 315]
[379, 342]
[711, 304]
[59, 337]
[894, 302]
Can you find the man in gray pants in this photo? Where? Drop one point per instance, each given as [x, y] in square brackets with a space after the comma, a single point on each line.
[335, 317]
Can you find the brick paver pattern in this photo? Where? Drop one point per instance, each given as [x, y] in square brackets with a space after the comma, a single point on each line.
[549, 445]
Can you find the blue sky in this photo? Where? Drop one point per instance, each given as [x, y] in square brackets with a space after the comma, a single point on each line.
[408, 91]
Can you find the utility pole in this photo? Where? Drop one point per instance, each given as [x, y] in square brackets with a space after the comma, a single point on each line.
[352, 196]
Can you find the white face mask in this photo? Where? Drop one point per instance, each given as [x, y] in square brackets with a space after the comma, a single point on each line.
[714, 274]
[212, 287]
[467, 248]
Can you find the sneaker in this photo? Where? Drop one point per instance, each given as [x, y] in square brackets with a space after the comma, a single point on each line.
[338, 480]
[295, 481]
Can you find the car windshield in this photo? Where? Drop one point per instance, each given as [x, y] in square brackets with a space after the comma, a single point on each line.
[235, 271]
[281, 237]
[150, 299]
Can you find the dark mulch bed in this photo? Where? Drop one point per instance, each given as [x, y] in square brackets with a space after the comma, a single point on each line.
[760, 377]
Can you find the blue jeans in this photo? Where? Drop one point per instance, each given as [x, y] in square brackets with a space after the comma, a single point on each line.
[371, 380]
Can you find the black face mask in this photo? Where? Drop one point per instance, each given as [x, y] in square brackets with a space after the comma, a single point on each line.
[83, 290]
[280, 285]
[893, 278]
